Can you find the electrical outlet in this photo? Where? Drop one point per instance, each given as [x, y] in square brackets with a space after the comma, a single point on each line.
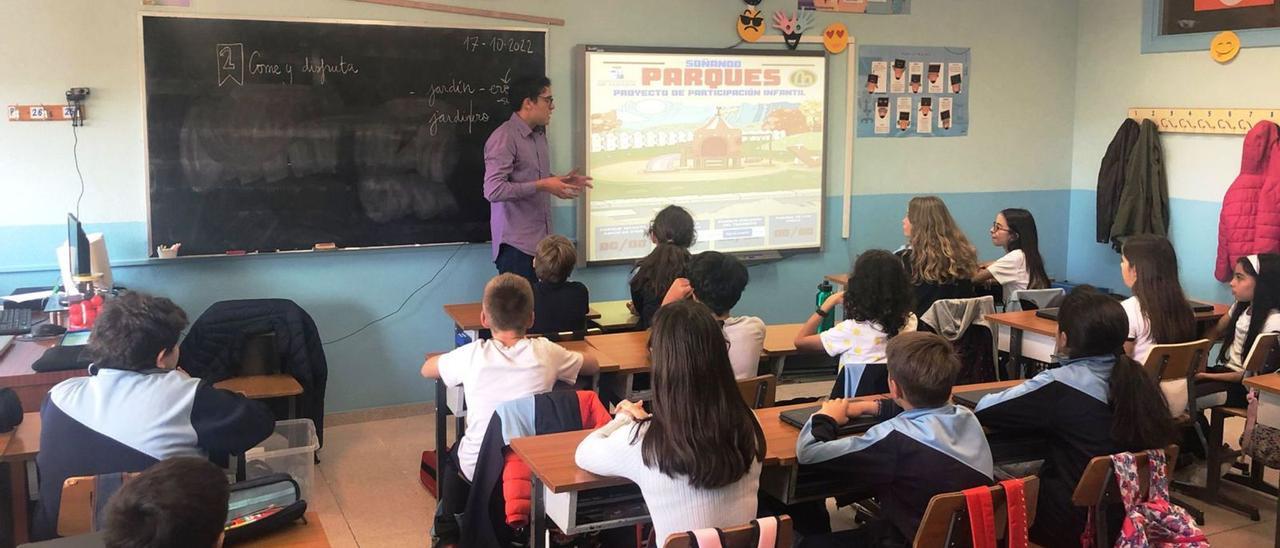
[39, 113]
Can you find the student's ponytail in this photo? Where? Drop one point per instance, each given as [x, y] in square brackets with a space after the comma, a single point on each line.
[1140, 412]
[673, 230]
[1096, 325]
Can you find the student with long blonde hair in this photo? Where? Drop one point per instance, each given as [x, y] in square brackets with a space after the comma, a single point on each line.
[939, 257]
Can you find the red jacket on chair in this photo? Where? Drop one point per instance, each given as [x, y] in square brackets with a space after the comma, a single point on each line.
[1250, 218]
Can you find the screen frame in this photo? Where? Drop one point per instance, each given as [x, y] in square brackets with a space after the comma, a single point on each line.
[582, 232]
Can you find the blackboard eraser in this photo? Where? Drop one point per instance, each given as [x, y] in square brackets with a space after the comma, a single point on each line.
[326, 246]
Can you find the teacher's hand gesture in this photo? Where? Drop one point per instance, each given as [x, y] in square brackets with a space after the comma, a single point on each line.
[566, 186]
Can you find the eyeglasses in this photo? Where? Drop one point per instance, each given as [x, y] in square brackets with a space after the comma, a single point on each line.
[551, 100]
[995, 227]
[749, 21]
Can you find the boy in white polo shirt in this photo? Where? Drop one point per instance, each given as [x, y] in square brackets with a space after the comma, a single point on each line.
[492, 371]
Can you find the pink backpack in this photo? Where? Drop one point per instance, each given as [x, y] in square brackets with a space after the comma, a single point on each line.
[1154, 522]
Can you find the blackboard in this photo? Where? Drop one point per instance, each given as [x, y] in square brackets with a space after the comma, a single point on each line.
[280, 135]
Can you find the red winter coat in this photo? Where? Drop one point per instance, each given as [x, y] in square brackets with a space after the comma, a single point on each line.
[1250, 218]
[517, 480]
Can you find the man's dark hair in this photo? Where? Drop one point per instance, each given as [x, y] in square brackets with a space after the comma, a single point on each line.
[133, 329]
[179, 502]
[528, 87]
[717, 280]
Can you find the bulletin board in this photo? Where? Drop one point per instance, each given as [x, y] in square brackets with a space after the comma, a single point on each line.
[913, 91]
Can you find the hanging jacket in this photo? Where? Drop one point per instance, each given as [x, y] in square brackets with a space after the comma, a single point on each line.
[963, 322]
[1144, 202]
[1242, 230]
[1111, 176]
[501, 479]
[213, 347]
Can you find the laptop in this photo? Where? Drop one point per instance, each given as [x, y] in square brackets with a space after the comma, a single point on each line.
[1052, 313]
[970, 399]
[798, 417]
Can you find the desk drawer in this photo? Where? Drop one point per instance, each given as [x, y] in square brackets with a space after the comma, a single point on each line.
[596, 509]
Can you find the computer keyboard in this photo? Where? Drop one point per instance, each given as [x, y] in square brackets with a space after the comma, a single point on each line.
[15, 321]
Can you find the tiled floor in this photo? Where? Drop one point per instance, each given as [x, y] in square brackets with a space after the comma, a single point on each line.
[367, 493]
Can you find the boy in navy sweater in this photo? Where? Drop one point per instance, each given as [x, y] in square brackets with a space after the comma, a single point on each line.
[929, 446]
[558, 304]
[135, 409]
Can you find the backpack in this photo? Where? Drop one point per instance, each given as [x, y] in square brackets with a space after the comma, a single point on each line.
[982, 524]
[1154, 522]
[1260, 442]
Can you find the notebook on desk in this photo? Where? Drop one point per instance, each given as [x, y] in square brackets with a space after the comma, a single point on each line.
[798, 417]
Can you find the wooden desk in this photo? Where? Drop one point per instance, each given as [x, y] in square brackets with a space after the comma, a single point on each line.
[1036, 337]
[630, 350]
[310, 534]
[841, 279]
[615, 316]
[31, 387]
[466, 316]
[557, 480]
[262, 387]
[19, 453]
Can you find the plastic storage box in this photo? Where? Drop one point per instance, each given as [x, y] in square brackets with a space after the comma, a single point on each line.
[291, 450]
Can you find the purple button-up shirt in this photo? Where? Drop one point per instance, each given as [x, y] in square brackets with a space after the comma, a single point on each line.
[515, 157]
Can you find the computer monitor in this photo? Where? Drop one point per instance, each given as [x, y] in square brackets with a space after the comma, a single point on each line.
[83, 257]
[77, 247]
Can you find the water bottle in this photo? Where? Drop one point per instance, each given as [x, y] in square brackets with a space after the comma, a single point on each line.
[824, 292]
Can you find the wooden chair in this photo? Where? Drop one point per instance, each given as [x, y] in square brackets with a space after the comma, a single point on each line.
[759, 391]
[1181, 362]
[1261, 357]
[946, 519]
[741, 536]
[76, 510]
[1097, 489]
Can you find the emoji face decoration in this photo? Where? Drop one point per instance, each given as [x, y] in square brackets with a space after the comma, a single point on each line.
[752, 2]
[792, 27]
[1224, 47]
[835, 38]
[750, 25]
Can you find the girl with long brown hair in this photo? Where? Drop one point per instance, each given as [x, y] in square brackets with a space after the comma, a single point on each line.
[672, 232]
[1021, 267]
[939, 258]
[697, 457]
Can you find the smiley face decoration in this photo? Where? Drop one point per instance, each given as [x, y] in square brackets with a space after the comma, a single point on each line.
[792, 27]
[1224, 47]
[835, 38]
[750, 25]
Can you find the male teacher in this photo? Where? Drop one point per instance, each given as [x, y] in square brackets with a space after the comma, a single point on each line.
[518, 179]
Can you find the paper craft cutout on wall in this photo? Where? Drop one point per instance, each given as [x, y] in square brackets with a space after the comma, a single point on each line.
[792, 27]
[1224, 47]
[835, 38]
[870, 7]
[750, 25]
[926, 93]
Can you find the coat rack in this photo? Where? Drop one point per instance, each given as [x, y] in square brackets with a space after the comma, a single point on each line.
[1219, 121]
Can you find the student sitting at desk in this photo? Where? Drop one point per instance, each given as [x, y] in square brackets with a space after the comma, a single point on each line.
[558, 304]
[492, 371]
[1021, 266]
[1099, 402]
[179, 502]
[930, 447]
[1255, 284]
[939, 258]
[697, 458]
[877, 306]
[717, 280]
[134, 409]
[672, 231]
